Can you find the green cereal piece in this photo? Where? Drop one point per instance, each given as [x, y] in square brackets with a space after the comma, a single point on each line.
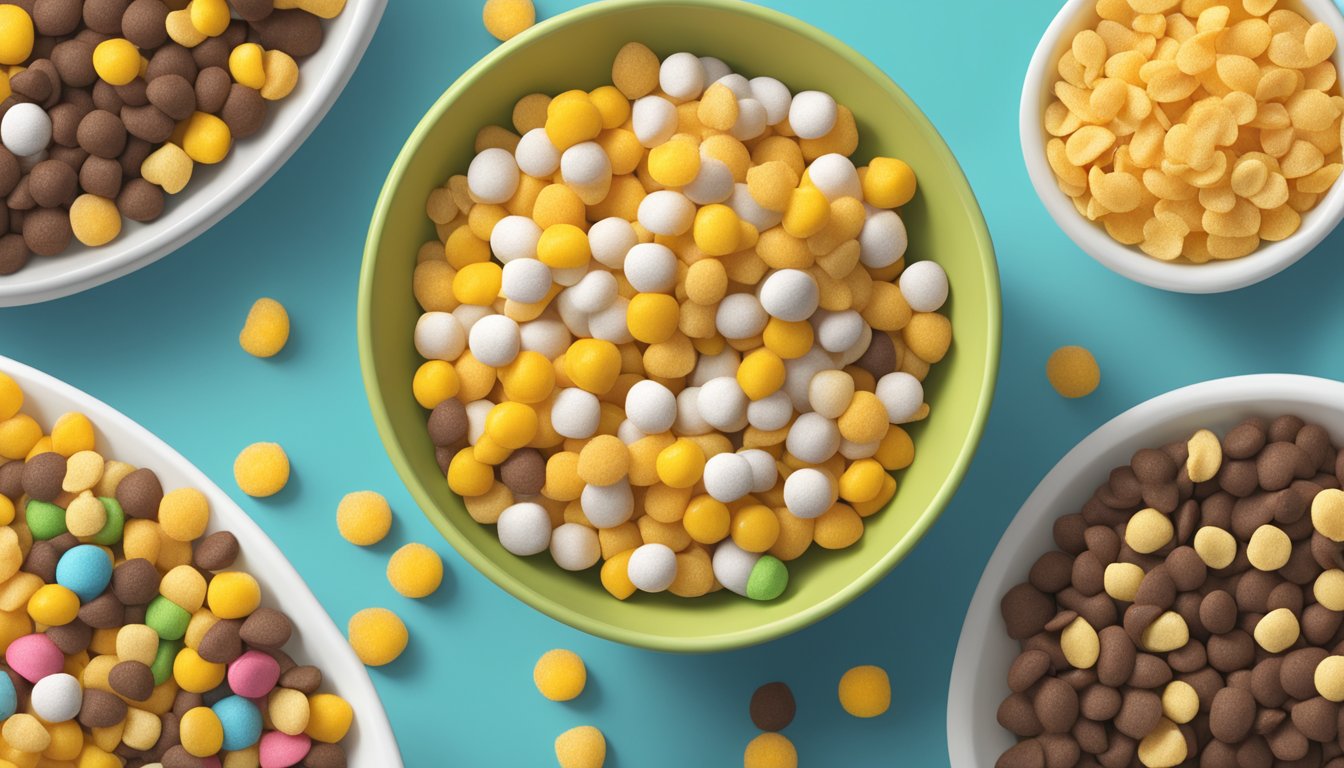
[45, 520]
[163, 661]
[167, 618]
[116, 523]
[768, 579]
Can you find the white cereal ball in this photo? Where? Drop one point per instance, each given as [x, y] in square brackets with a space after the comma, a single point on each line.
[575, 413]
[492, 177]
[610, 239]
[835, 176]
[26, 130]
[856, 350]
[713, 366]
[924, 286]
[575, 547]
[883, 240]
[651, 268]
[830, 393]
[750, 211]
[733, 566]
[575, 319]
[751, 120]
[728, 477]
[438, 336]
[689, 421]
[586, 168]
[468, 314]
[740, 316]
[715, 69]
[798, 375]
[774, 96]
[653, 119]
[57, 698]
[838, 331]
[609, 323]
[790, 295]
[607, 506]
[666, 212]
[713, 184]
[764, 473]
[536, 155]
[723, 404]
[651, 407]
[682, 76]
[739, 85]
[494, 340]
[812, 114]
[901, 394]
[770, 412]
[525, 280]
[808, 493]
[628, 433]
[653, 567]
[856, 451]
[515, 237]
[594, 292]
[813, 438]
[524, 529]
[477, 411]
[547, 336]
[568, 276]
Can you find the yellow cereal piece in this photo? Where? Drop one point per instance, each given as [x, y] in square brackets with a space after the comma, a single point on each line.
[181, 30]
[329, 715]
[169, 167]
[245, 64]
[266, 329]
[681, 464]
[11, 395]
[201, 731]
[1277, 630]
[560, 675]
[653, 317]
[1269, 548]
[563, 246]
[771, 184]
[415, 571]
[865, 691]
[807, 212]
[194, 674]
[363, 517]
[754, 528]
[184, 514]
[581, 747]
[612, 105]
[1329, 678]
[53, 605]
[888, 183]
[434, 382]
[1327, 513]
[1329, 589]
[573, 120]
[377, 635]
[185, 586]
[717, 230]
[839, 527]
[85, 516]
[770, 750]
[25, 733]
[707, 520]
[282, 75]
[615, 575]
[562, 477]
[116, 60]
[1073, 371]
[634, 70]
[209, 17]
[604, 460]
[593, 364]
[94, 220]
[261, 469]
[1180, 702]
[530, 112]
[18, 435]
[233, 594]
[478, 284]
[72, 433]
[16, 36]
[504, 19]
[760, 374]
[675, 163]
[205, 137]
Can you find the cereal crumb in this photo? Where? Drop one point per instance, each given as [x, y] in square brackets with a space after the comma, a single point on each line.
[1073, 371]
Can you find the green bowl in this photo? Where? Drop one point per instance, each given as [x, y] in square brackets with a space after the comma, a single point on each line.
[575, 50]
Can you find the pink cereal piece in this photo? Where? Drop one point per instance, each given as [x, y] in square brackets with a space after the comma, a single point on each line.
[279, 750]
[253, 674]
[34, 657]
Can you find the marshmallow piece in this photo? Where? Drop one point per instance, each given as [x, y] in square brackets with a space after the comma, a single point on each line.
[575, 413]
[901, 394]
[682, 76]
[494, 340]
[25, 129]
[715, 69]
[812, 114]
[728, 477]
[835, 176]
[653, 567]
[651, 268]
[492, 177]
[808, 493]
[536, 155]
[924, 286]
[723, 404]
[689, 421]
[525, 280]
[524, 529]
[838, 331]
[712, 184]
[751, 120]
[57, 698]
[883, 240]
[476, 414]
[770, 412]
[651, 407]
[830, 393]
[439, 336]
[595, 292]
[740, 316]
[609, 323]
[764, 473]
[739, 85]
[813, 438]
[607, 506]
[586, 169]
[654, 120]
[774, 96]
[750, 211]
[515, 237]
[610, 240]
[545, 335]
[666, 212]
[789, 294]
[733, 565]
[575, 547]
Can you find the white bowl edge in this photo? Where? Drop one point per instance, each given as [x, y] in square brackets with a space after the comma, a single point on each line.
[1213, 277]
[316, 639]
[984, 652]
[215, 191]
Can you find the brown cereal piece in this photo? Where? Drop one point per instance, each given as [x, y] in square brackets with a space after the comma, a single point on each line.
[216, 551]
[43, 475]
[101, 176]
[222, 643]
[305, 679]
[52, 183]
[295, 32]
[172, 94]
[243, 111]
[135, 581]
[140, 200]
[266, 628]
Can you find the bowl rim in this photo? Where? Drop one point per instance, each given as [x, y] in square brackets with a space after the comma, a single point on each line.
[202, 214]
[762, 632]
[1213, 277]
[280, 580]
[980, 628]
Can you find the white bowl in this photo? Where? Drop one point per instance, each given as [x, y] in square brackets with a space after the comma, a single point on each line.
[1213, 277]
[984, 652]
[316, 640]
[215, 190]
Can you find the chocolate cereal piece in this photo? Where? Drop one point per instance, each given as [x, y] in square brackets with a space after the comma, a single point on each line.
[139, 494]
[143, 23]
[42, 476]
[46, 231]
[772, 707]
[216, 552]
[266, 628]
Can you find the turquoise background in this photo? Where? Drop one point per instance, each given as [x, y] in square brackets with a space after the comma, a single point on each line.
[161, 345]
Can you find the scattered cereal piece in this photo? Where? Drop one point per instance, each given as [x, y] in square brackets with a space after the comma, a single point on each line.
[505, 18]
[266, 329]
[581, 747]
[560, 675]
[415, 570]
[261, 469]
[1073, 371]
[377, 635]
[773, 707]
[865, 691]
[364, 517]
[770, 750]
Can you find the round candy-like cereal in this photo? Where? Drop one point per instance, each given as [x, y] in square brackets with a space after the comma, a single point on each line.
[835, 176]
[581, 747]
[575, 547]
[524, 280]
[377, 635]
[651, 407]
[652, 567]
[733, 566]
[25, 129]
[924, 285]
[789, 294]
[414, 571]
[240, 721]
[813, 438]
[728, 477]
[536, 156]
[770, 750]
[812, 114]
[506, 18]
[611, 240]
[651, 268]
[682, 76]
[1073, 371]
[494, 340]
[57, 698]
[865, 691]
[607, 506]
[575, 413]
[364, 517]
[653, 119]
[266, 329]
[722, 404]
[524, 529]
[666, 212]
[261, 469]
[560, 675]
[85, 570]
[493, 176]
[764, 473]
[901, 395]
[883, 240]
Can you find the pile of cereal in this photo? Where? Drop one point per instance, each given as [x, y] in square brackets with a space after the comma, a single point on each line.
[1191, 614]
[106, 105]
[128, 638]
[1197, 130]
[664, 329]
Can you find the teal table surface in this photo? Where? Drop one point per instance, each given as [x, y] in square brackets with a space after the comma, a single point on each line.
[161, 345]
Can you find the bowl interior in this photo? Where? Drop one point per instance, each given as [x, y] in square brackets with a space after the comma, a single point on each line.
[576, 50]
[1270, 258]
[316, 639]
[984, 652]
[215, 190]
